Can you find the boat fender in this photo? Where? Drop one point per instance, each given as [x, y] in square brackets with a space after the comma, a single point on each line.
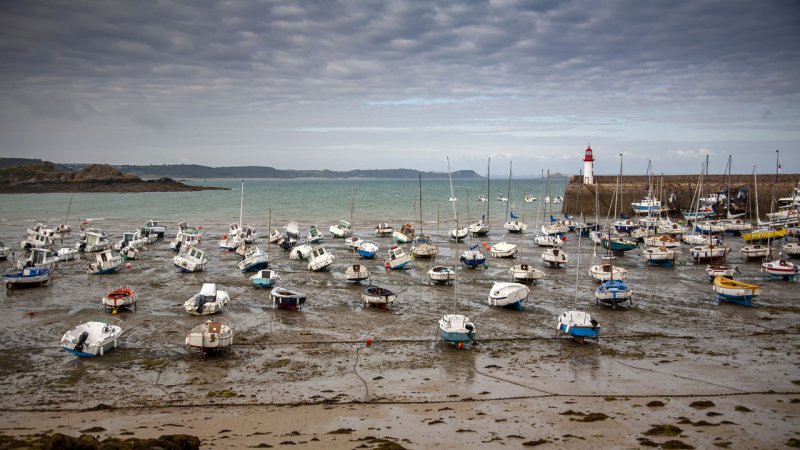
[81, 341]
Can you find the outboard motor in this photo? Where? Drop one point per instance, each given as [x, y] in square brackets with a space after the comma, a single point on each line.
[594, 324]
[81, 341]
[199, 302]
[470, 329]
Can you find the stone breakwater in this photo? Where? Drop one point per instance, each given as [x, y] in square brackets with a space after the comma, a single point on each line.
[580, 198]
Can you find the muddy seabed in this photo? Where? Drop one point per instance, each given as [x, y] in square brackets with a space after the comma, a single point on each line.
[724, 375]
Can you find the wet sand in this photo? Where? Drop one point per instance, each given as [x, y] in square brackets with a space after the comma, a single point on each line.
[296, 377]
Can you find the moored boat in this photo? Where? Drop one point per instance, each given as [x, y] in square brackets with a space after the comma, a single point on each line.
[367, 249]
[729, 290]
[105, 262]
[781, 269]
[660, 256]
[378, 296]
[578, 325]
[287, 299]
[210, 336]
[119, 298]
[722, 270]
[755, 251]
[525, 273]
[27, 277]
[95, 337]
[265, 278]
[320, 259]
[342, 229]
[192, 259]
[397, 258]
[254, 259]
[613, 293]
[356, 273]
[456, 329]
[441, 274]
[508, 295]
[555, 257]
[473, 257]
[209, 300]
[383, 229]
[503, 250]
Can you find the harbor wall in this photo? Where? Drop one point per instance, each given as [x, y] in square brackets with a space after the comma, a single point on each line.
[580, 198]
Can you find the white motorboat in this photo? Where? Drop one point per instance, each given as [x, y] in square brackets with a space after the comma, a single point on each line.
[355, 273]
[529, 198]
[67, 254]
[548, 241]
[661, 255]
[105, 262]
[755, 251]
[508, 295]
[404, 235]
[254, 260]
[292, 229]
[482, 198]
[39, 257]
[502, 198]
[301, 252]
[129, 253]
[456, 329]
[36, 241]
[95, 337]
[503, 250]
[555, 257]
[383, 229]
[314, 236]
[397, 258]
[367, 249]
[152, 227]
[342, 229]
[721, 270]
[442, 274]
[578, 325]
[4, 250]
[422, 247]
[525, 273]
[265, 278]
[209, 300]
[353, 241]
[320, 259]
[133, 239]
[210, 336]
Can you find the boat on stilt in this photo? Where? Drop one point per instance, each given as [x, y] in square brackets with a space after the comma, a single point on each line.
[613, 293]
[578, 325]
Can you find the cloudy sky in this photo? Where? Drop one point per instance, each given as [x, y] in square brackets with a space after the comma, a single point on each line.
[352, 84]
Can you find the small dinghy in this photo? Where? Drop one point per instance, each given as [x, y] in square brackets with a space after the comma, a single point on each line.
[208, 301]
[525, 273]
[367, 249]
[503, 250]
[473, 257]
[613, 293]
[729, 290]
[383, 230]
[119, 298]
[265, 278]
[93, 338]
[210, 336]
[456, 329]
[508, 295]
[193, 260]
[578, 325]
[27, 277]
[721, 270]
[555, 257]
[254, 259]
[67, 254]
[105, 262]
[442, 274]
[356, 273]
[287, 299]
[379, 297]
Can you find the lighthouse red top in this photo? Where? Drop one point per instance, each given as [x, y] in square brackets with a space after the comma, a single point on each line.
[588, 156]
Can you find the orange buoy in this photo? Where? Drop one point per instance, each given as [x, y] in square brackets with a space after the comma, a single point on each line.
[460, 345]
[368, 342]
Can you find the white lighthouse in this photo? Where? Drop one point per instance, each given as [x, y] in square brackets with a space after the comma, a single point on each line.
[588, 167]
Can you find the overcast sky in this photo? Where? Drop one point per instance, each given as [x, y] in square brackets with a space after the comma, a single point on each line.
[358, 84]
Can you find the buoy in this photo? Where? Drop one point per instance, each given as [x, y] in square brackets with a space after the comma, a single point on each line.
[460, 345]
[128, 265]
[114, 312]
[368, 342]
[564, 238]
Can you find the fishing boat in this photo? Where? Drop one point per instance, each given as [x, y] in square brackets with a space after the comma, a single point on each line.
[647, 205]
[508, 295]
[755, 251]
[39, 257]
[320, 259]
[287, 299]
[733, 291]
[660, 256]
[613, 293]
[397, 258]
[152, 227]
[555, 257]
[105, 262]
[404, 235]
[254, 259]
[342, 229]
[721, 270]
[367, 249]
[265, 278]
[503, 250]
[314, 236]
[578, 325]
[292, 229]
[186, 237]
[132, 239]
[781, 269]
[27, 277]
[209, 300]
[95, 337]
[356, 273]
[210, 336]
[383, 229]
[301, 252]
[36, 241]
[119, 298]
[380, 297]
[441, 274]
[525, 273]
[472, 257]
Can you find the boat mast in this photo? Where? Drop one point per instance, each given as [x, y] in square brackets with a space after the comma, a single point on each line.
[68, 209]
[755, 186]
[729, 169]
[420, 202]
[508, 195]
[241, 209]
[488, 177]
[452, 195]
[772, 202]
[269, 229]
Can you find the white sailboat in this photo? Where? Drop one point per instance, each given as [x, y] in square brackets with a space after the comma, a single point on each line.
[513, 223]
[455, 328]
[482, 226]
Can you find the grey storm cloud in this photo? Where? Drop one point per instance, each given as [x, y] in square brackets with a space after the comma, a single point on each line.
[524, 78]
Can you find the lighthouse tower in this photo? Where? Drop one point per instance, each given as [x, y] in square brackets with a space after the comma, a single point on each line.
[588, 167]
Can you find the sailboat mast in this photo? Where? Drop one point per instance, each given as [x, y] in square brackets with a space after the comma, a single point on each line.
[241, 210]
[755, 186]
[269, 229]
[420, 202]
[508, 194]
[452, 195]
[488, 200]
[69, 208]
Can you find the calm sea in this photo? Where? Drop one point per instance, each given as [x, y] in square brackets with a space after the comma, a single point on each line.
[320, 202]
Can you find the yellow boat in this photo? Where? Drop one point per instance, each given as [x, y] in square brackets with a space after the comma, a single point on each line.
[763, 235]
[735, 291]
